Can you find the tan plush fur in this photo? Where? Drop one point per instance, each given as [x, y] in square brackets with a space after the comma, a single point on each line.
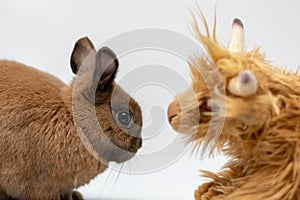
[42, 155]
[261, 133]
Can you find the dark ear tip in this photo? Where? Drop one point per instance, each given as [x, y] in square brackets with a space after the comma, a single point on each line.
[85, 40]
[107, 50]
[84, 43]
[81, 49]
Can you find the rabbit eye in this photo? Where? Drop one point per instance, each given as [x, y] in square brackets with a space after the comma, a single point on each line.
[124, 118]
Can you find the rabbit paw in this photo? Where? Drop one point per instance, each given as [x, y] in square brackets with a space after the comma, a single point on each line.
[4, 196]
[73, 195]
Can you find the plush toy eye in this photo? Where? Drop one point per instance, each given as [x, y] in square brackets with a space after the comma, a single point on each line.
[124, 118]
[244, 84]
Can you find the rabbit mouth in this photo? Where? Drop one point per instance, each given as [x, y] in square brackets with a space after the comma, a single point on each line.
[123, 151]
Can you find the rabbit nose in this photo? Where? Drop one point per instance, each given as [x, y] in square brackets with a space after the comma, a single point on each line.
[173, 111]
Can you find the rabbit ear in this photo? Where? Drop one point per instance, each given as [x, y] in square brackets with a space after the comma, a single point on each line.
[83, 47]
[107, 65]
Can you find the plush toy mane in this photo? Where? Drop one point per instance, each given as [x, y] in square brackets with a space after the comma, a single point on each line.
[261, 132]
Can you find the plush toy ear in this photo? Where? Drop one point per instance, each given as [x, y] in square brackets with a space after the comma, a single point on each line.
[83, 47]
[107, 64]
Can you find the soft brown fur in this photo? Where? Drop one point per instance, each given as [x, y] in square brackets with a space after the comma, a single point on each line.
[261, 133]
[42, 155]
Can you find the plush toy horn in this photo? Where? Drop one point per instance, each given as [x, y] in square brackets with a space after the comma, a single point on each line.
[245, 83]
[237, 38]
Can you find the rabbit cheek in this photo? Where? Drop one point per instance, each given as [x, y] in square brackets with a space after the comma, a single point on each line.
[121, 149]
[122, 142]
[126, 146]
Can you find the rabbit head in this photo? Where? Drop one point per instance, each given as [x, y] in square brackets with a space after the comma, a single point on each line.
[107, 119]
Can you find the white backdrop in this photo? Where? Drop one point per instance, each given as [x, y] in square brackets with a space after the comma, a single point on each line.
[42, 34]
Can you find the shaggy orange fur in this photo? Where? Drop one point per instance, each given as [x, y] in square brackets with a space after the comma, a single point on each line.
[260, 134]
[42, 155]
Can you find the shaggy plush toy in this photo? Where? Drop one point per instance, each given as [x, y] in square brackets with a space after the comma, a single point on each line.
[248, 109]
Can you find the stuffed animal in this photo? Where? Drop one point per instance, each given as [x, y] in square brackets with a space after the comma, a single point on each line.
[56, 137]
[258, 108]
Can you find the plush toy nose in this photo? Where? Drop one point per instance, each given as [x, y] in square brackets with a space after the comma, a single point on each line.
[173, 111]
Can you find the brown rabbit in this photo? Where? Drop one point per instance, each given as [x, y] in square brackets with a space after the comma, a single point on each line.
[56, 137]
